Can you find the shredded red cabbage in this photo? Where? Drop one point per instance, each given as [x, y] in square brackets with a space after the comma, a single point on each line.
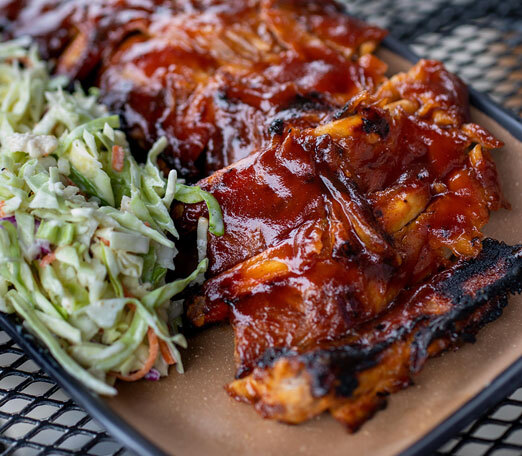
[153, 375]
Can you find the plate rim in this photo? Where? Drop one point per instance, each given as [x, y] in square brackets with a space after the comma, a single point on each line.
[502, 386]
[510, 379]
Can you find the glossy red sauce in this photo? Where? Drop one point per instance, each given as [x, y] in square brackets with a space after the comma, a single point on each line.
[339, 200]
[315, 244]
[211, 76]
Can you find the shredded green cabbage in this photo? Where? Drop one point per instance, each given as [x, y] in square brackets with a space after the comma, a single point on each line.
[86, 236]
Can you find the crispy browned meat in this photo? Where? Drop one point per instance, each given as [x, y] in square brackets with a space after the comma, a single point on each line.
[353, 246]
[379, 184]
[325, 230]
[350, 377]
[219, 79]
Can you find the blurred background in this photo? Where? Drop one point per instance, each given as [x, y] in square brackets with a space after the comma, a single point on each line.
[480, 40]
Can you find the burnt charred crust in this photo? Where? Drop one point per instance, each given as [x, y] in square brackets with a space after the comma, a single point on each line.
[277, 127]
[377, 125]
[269, 357]
[346, 249]
[374, 121]
[444, 328]
[495, 310]
[345, 111]
[272, 354]
[311, 101]
[241, 371]
[335, 369]
[494, 253]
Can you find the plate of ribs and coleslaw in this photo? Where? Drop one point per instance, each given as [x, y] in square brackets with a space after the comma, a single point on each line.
[255, 227]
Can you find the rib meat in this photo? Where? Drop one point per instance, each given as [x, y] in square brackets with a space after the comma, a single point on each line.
[218, 78]
[338, 230]
[350, 377]
[353, 203]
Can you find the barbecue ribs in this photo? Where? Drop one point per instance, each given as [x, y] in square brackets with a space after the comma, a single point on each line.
[353, 203]
[216, 78]
[329, 266]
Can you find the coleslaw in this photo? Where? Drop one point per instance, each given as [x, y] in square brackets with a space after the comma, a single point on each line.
[86, 237]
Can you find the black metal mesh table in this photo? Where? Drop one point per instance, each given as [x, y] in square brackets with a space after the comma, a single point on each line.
[481, 40]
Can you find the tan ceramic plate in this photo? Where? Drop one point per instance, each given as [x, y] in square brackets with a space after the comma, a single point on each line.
[191, 414]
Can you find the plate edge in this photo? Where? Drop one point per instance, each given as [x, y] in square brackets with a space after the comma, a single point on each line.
[510, 379]
[113, 423]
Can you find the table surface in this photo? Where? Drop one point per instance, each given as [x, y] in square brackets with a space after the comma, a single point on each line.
[481, 41]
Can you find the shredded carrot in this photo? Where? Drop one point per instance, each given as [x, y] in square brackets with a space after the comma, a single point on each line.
[146, 224]
[105, 241]
[127, 294]
[47, 259]
[153, 354]
[2, 204]
[72, 183]
[117, 158]
[165, 352]
[23, 60]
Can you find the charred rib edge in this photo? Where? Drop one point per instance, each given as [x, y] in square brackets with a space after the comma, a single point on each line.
[348, 360]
